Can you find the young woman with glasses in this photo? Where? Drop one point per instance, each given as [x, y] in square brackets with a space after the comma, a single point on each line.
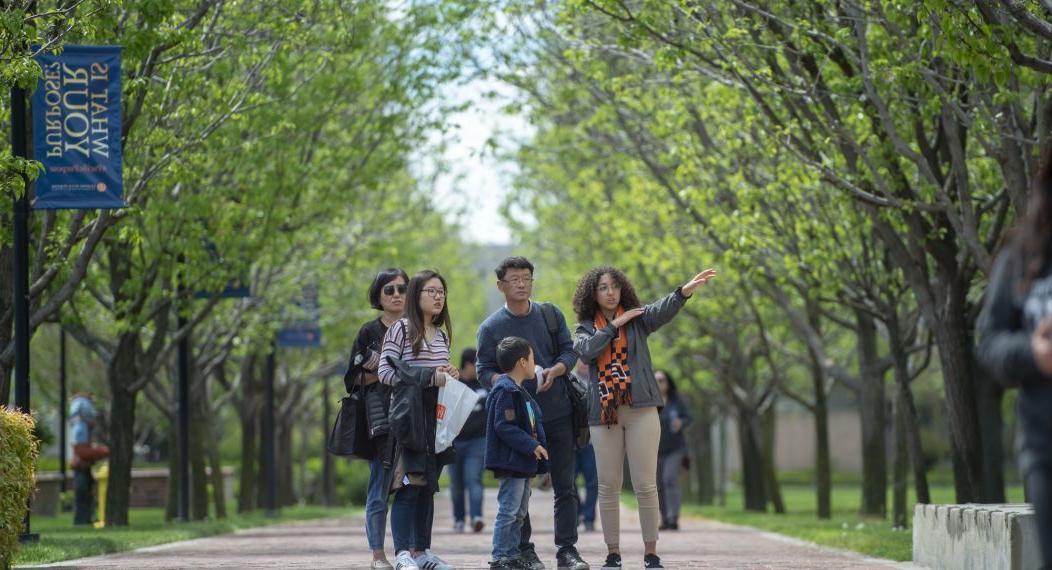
[422, 338]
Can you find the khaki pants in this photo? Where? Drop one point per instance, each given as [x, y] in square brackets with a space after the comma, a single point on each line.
[635, 435]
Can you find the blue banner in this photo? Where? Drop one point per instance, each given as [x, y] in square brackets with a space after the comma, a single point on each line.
[77, 129]
[237, 288]
[303, 330]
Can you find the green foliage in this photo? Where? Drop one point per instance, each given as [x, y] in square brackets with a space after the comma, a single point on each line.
[18, 453]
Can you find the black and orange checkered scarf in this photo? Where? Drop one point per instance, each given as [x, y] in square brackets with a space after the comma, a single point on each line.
[615, 382]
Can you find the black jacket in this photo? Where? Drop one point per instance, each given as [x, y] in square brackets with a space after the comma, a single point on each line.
[475, 426]
[1009, 317]
[377, 395]
[671, 441]
[413, 422]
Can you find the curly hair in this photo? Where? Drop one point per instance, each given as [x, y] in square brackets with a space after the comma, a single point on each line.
[584, 303]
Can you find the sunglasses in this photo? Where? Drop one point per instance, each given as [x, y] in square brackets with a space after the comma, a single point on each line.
[390, 289]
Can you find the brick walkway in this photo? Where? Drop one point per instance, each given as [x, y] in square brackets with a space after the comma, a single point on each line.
[341, 544]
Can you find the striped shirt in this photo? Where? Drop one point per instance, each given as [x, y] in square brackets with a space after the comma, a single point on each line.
[397, 345]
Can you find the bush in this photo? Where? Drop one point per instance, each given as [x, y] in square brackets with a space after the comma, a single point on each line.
[18, 454]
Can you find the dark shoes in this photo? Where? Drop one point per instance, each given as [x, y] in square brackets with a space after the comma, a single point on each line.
[507, 564]
[530, 560]
[569, 559]
[652, 561]
[613, 561]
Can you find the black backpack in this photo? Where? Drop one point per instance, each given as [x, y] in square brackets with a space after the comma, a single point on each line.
[576, 390]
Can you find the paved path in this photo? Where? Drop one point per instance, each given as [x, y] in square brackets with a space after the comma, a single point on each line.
[341, 544]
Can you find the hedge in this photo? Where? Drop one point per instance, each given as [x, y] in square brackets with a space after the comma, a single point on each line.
[18, 454]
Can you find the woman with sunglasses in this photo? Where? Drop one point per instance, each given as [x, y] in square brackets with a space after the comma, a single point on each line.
[386, 294]
[421, 339]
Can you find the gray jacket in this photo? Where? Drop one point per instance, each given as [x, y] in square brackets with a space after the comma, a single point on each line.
[590, 343]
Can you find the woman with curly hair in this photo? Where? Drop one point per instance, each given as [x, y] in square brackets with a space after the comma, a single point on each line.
[623, 395]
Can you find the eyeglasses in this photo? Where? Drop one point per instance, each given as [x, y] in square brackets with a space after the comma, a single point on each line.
[435, 293]
[390, 289]
[518, 281]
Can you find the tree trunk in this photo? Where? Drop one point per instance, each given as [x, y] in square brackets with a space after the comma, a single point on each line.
[774, 490]
[908, 412]
[901, 467]
[171, 508]
[991, 423]
[956, 357]
[702, 457]
[750, 437]
[871, 402]
[121, 373]
[214, 463]
[7, 293]
[823, 464]
[286, 491]
[247, 478]
[198, 477]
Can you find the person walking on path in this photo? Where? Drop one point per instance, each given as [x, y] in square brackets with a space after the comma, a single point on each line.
[470, 444]
[523, 318]
[623, 395]
[586, 465]
[515, 449]
[1015, 332]
[672, 451]
[421, 339]
[386, 294]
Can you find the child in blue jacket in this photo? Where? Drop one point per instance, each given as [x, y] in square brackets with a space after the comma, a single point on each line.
[515, 447]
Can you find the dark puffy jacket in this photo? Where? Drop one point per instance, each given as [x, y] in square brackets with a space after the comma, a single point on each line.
[509, 435]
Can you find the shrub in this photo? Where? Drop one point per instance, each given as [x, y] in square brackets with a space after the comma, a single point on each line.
[18, 454]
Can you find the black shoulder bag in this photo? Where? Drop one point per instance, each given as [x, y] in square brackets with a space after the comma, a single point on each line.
[575, 390]
[350, 433]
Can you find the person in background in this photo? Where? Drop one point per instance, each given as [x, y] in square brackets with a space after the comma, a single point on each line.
[672, 451]
[386, 294]
[85, 454]
[1015, 343]
[470, 445]
[586, 465]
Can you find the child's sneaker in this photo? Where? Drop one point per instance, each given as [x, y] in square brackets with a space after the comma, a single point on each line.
[613, 561]
[429, 561]
[506, 564]
[569, 559]
[381, 565]
[477, 525]
[405, 561]
[652, 561]
[530, 560]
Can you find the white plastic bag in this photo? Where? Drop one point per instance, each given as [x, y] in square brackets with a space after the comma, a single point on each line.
[455, 402]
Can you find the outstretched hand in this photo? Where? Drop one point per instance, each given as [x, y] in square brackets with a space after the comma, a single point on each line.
[698, 280]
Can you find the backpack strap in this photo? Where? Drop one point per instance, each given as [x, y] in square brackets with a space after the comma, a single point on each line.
[548, 310]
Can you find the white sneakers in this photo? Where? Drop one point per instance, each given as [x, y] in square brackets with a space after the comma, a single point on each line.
[381, 565]
[429, 561]
[405, 561]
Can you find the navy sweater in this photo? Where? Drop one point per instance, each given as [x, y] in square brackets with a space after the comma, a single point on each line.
[503, 323]
[510, 441]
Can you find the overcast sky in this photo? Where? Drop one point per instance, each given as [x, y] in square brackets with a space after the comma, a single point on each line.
[477, 181]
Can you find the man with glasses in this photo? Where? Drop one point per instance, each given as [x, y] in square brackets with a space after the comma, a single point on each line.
[523, 318]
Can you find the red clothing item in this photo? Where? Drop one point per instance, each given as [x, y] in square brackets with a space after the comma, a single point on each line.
[86, 454]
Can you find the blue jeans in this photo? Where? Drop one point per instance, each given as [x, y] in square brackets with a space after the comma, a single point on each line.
[513, 503]
[586, 468]
[467, 470]
[412, 513]
[376, 503]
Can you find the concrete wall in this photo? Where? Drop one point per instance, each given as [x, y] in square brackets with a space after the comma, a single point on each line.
[978, 537]
[795, 441]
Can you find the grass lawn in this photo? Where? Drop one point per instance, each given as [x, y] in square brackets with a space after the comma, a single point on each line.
[60, 540]
[846, 530]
